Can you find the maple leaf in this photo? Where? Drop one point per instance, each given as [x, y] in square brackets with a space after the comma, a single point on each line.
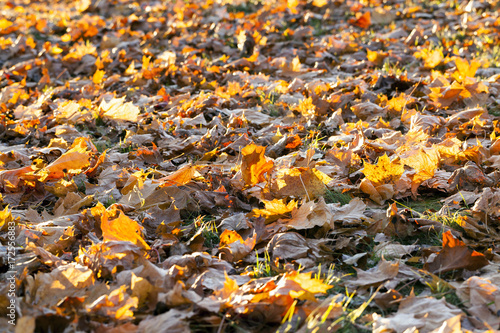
[230, 287]
[254, 164]
[425, 313]
[169, 123]
[309, 215]
[180, 177]
[385, 171]
[383, 271]
[424, 161]
[274, 209]
[116, 109]
[362, 20]
[71, 162]
[122, 228]
[306, 182]
[307, 282]
[465, 69]
[233, 245]
[455, 255]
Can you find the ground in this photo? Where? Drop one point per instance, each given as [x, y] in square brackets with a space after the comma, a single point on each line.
[249, 166]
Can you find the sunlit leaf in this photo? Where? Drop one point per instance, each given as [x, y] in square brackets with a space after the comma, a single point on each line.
[385, 171]
[122, 228]
[254, 164]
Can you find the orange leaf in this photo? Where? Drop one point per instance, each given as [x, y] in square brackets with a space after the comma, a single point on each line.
[233, 246]
[254, 164]
[362, 21]
[230, 287]
[98, 75]
[179, 177]
[228, 237]
[465, 69]
[11, 178]
[71, 162]
[293, 142]
[122, 228]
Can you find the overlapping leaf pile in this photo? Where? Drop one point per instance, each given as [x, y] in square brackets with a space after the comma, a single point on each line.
[253, 166]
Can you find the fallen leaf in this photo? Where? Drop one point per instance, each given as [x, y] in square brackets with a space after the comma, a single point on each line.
[254, 164]
[385, 171]
[455, 255]
[122, 228]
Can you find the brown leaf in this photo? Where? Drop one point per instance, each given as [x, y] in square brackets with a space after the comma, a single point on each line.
[455, 255]
[311, 214]
[424, 313]
[383, 271]
[234, 247]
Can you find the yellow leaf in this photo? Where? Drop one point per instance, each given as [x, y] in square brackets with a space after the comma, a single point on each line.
[275, 209]
[384, 171]
[425, 162]
[398, 103]
[434, 58]
[179, 177]
[306, 107]
[375, 57]
[292, 5]
[118, 110]
[5, 218]
[4, 23]
[320, 3]
[304, 182]
[312, 285]
[66, 38]
[56, 50]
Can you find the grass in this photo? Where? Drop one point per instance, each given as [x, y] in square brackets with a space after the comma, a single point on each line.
[269, 101]
[111, 200]
[336, 196]
[429, 204]
[208, 230]
[440, 288]
[263, 267]
[347, 322]
[319, 27]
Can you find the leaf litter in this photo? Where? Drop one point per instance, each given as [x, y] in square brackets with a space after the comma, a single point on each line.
[227, 166]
